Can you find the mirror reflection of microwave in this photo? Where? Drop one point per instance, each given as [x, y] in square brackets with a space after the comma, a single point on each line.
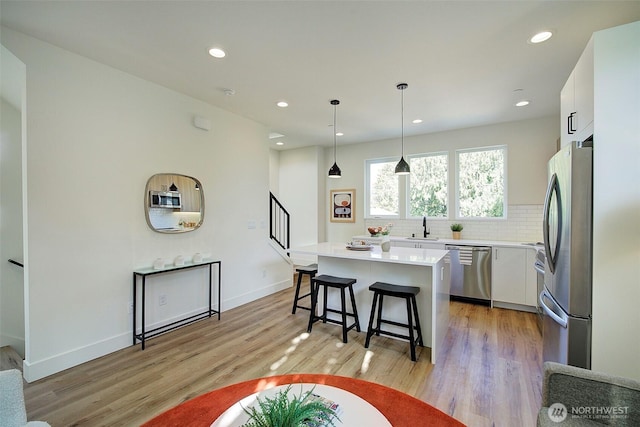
[165, 199]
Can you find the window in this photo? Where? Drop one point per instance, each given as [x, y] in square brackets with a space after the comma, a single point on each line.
[481, 183]
[428, 185]
[382, 188]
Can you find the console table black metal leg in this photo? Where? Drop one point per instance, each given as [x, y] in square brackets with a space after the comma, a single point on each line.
[219, 280]
[134, 307]
[142, 335]
[210, 274]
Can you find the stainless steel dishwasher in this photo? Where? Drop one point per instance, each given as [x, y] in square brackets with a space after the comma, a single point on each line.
[470, 273]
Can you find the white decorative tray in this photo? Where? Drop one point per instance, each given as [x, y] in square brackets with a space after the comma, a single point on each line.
[359, 247]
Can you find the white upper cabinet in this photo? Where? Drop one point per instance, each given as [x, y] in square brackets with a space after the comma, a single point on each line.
[576, 100]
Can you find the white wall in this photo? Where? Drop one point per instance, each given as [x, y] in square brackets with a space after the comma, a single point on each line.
[96, 134]
[616, 200]
[530, 144]
[274, 172]
[298, 191]
[11, 276]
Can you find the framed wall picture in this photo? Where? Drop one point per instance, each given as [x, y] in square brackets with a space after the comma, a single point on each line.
[343, 205]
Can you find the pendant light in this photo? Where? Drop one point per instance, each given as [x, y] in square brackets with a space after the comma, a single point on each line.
[402, 168]
[334, 172]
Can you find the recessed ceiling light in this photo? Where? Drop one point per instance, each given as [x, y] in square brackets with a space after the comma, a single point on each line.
[216, 52]
[279, 143]
[541, 37]
[282, 104]
[417, 121]
[522, 103]
[339, 134]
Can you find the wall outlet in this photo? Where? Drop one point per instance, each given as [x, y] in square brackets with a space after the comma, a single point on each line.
[162, 299]
[130, 307]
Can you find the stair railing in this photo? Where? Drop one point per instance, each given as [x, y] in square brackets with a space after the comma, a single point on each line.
[279, 223]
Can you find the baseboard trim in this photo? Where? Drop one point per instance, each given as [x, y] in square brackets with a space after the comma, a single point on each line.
[17, 343]
[34, 371]
[256, 294]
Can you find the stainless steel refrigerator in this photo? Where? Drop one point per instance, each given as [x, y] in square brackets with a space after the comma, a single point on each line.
[567, 229]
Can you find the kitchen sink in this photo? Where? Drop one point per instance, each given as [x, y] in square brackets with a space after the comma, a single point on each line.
[422, 238]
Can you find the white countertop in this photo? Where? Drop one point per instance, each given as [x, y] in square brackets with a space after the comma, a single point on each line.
[413, 256]
[503, 243]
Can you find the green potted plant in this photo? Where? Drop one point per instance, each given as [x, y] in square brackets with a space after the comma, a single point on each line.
[456, 229]
[304, 410]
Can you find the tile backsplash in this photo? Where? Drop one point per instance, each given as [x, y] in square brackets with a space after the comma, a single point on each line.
[523, 224]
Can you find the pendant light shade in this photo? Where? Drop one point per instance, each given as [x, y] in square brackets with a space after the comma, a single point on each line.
[402, 168]
[335, 171]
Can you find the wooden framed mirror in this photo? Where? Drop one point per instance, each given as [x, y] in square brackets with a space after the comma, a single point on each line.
[174, 203]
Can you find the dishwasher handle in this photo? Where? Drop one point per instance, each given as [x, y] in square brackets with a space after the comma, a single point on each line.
[469, 248]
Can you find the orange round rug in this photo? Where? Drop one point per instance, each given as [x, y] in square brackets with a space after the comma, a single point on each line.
[399, 408]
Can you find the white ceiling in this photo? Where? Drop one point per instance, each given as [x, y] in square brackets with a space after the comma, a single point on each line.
[462, 59]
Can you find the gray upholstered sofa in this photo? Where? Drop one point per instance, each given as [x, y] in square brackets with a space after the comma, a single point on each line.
[12, 409]
[579, 397]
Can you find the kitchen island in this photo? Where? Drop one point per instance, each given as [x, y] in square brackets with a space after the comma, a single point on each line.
[423, 268]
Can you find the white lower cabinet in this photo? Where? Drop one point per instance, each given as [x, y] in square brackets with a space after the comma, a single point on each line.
[508, 275]
[531, 280]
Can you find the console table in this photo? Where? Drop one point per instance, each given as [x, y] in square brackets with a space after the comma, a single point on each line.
[143, 273]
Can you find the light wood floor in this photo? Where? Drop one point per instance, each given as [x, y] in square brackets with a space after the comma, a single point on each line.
[490, 374]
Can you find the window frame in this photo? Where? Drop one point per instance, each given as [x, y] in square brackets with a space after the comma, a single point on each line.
[457, 216]
[367, 184]
[453, 186]
[408, 186]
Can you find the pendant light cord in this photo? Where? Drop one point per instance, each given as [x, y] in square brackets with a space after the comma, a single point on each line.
[402, 168]
[335, 172]
[402, 121]
[334, 132]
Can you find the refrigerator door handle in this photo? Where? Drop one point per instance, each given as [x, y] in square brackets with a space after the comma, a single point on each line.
[562, 321]
[551, 256]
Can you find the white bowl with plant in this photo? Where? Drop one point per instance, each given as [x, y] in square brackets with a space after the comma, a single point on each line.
[282, 410]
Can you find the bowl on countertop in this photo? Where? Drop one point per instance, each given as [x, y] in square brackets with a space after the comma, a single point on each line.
[374, 230]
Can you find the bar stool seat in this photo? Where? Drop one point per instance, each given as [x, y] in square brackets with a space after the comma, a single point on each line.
[380, 290]
[342, 284]
[311, 270]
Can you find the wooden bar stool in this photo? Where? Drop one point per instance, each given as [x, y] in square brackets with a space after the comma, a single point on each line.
[342, 284]
[409, 293]
[311, 270]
